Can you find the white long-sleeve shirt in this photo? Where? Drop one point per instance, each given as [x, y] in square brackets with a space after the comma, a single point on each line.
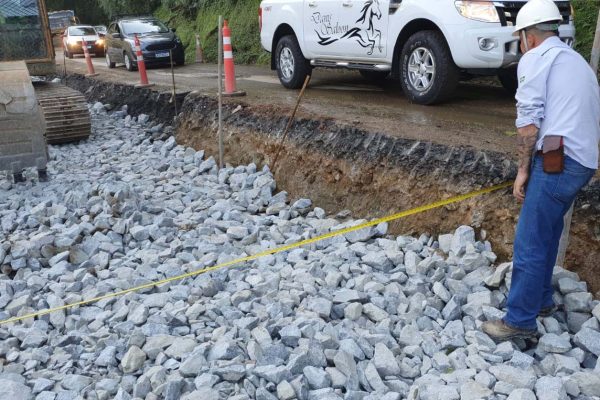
[559, 94]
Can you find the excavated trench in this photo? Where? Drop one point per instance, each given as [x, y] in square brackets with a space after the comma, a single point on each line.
[350, 171]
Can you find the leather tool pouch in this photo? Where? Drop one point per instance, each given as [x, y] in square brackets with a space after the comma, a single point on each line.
[553, 153]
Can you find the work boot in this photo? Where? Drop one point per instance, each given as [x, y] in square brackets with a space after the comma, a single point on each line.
[500, 331]
[548, 311]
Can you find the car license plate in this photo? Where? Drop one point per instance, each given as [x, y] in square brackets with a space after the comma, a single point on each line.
[162, 54]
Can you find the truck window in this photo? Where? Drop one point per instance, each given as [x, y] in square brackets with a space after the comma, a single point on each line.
[21, 31]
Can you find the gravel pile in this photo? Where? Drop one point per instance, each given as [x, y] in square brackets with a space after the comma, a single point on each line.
[362, 316]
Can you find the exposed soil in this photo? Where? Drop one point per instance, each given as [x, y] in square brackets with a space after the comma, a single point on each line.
[342, 167]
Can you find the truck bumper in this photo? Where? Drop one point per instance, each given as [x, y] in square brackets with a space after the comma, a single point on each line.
[492, 47]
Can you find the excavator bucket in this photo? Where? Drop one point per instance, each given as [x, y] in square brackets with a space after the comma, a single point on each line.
[22, 126]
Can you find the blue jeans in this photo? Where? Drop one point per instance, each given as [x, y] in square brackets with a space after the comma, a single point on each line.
[548, 198]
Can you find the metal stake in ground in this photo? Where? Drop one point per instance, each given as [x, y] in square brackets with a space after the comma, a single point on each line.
[289, 124]
[220, 67]
[174, 93]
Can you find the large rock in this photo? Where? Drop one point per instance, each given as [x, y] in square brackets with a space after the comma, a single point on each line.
[13, 390]
[589, 340]
[133, 360]
[550, 388]
[552, 343]
[463, 236]
[520, 379]
[385, 362]
[578, 302]
[471, 390]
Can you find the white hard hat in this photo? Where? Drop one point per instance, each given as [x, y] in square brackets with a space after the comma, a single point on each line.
[537, 12]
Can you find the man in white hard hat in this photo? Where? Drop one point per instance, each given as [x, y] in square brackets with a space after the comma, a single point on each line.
[558, 121]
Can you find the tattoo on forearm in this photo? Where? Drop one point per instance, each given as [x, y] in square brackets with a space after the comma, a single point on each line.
[525, 144]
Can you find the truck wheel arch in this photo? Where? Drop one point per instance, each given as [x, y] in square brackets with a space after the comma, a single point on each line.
[281, 31]
[410, 29]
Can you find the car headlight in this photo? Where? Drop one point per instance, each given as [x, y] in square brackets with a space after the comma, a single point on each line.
[483, 11]
[73, 40]
[100, 42]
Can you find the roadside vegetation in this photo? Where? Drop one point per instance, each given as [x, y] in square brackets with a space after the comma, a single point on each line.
[200, 16]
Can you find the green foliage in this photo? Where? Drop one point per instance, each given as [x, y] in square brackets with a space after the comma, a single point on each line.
[586, 15]
[116, 7]
[88, 11]
[243, 22]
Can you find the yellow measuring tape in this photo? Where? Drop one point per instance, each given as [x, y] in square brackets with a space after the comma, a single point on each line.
[316, 239]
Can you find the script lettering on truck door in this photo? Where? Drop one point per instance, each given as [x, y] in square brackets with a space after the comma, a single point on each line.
[366, 31]
[321, 17]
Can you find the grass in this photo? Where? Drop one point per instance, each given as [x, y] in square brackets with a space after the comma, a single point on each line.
[586, 15]
[242, 16]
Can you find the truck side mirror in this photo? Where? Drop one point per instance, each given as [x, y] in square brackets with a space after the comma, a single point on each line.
[116, 35]
[173, 30]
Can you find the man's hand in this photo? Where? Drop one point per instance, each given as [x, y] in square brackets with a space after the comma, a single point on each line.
[521, 184]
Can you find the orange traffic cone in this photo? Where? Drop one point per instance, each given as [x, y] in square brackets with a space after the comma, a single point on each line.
[88, 59]
[141, 64]
[230, 89]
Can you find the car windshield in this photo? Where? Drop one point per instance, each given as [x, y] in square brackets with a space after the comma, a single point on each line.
[144, 26]
[81, 31]
[100, 28]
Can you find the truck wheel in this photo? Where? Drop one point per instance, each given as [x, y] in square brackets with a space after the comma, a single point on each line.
[508, 79]
[429, 74]
[292, 67]
[374, 76]
[128, 61]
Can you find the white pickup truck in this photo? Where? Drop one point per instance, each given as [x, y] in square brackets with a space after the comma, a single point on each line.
[428, 44]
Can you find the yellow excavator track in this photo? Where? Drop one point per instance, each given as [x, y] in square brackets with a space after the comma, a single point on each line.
[65, 111]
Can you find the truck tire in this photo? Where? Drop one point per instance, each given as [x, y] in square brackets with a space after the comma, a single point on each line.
[374, 76]
[292, 67]
[428, 72]
[508, 79]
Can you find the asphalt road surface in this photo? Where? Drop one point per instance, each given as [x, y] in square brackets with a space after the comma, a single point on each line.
[481, 114]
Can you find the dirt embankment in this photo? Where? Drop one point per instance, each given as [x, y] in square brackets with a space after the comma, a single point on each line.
[370, 174]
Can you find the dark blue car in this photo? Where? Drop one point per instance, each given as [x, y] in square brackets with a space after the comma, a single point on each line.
[156, 40]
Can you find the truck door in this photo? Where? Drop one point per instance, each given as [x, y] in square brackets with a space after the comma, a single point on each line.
[367, 35]
[324, 28]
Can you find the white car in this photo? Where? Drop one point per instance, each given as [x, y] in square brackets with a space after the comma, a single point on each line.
[428, 44]
[75, 35]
